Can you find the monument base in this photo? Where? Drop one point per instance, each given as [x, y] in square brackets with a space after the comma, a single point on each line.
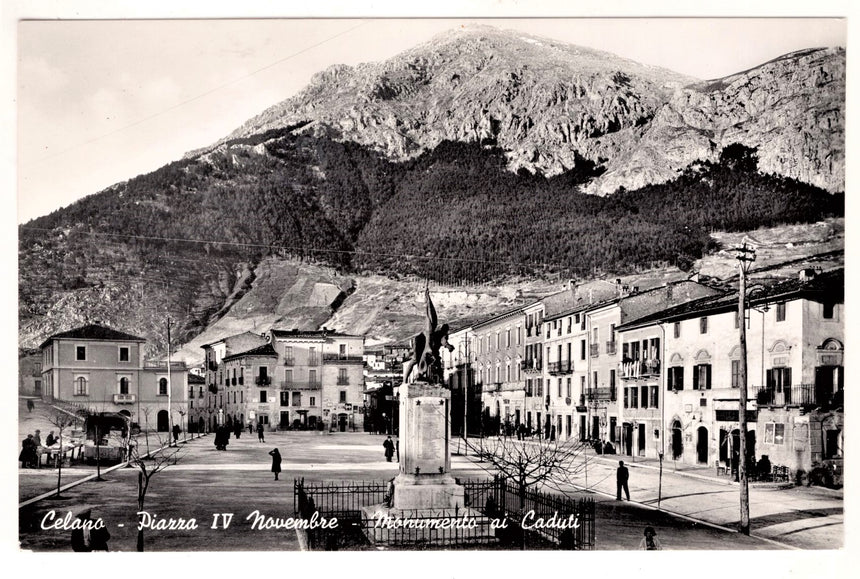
[427, 491]
[429, 527]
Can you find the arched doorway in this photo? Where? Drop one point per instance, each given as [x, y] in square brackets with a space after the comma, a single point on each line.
[677, 440]
[163, 424]
[702, 445]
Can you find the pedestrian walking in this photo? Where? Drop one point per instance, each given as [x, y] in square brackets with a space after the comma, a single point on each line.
[176, 431]
[621, 477]
[261, 432]
[250, 428]
[650, 542]
[276, 461]
[30, 405]
[89, 535]
[388, 445]
[237, 432]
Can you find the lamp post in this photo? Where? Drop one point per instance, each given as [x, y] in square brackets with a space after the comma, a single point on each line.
[745, 257]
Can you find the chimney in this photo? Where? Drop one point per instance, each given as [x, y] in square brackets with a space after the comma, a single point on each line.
[807, 274]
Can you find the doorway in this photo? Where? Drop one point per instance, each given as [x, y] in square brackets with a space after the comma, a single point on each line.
[342, 422]
[702, 445]
[163, 424]
[612, 423]
[627, 438]
[285, 419]
[641, 439]
[677, 440]
[595, 427]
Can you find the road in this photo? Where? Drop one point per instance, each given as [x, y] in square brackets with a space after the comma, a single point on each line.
[205, 482]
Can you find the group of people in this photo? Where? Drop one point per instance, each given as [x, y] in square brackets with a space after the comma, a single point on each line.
[222, 433]
[31, 449]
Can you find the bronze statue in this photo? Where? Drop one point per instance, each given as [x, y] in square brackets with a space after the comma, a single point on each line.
[427, 345]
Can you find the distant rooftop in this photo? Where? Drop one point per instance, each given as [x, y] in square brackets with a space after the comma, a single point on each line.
[324, 333]
[94, 332]
[264, 350]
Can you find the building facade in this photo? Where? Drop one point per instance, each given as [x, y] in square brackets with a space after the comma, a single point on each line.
[102, 370]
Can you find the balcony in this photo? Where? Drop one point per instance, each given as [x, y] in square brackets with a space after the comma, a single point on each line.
[124, 398]
[530, 365]
[301, 385]
[561, 367]
[595, 394]
[594, 349]
[213, 365]
[806, 395]
[342, 381]
[262, 380]
[341, 359]
[610, 348]
[241, 380]
[639, 369]
[213, 389]
[233, 381]
[289, 361]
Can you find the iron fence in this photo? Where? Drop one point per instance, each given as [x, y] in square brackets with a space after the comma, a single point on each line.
[534, 519]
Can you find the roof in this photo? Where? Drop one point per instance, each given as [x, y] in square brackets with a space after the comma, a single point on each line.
[499, 317]
[195, 379]
[94, 332]
[828, 285]
[321, 334]
[264, 350]
[230, 338]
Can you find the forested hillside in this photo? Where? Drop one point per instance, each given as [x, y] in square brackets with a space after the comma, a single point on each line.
[184, 239]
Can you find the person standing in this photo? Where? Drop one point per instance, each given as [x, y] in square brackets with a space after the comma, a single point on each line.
[650, 542]
[176, 430]
[261, 432]
[621, 477]
[237, 429]
[388, 445]
[28, 452]
[276, 461]
[30, 405]
[51, 439]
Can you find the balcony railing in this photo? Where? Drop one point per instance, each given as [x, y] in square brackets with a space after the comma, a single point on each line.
[289, 361]
[639, 368]
[262, 380]
[532, 365]
[301, 385]
[610, 348]
[594, 349]
[799, 395]
[594, 394]
[342, 381]
[342, 359]
[123, 398]
[560, 367]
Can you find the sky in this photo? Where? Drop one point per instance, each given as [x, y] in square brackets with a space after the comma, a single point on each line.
[100, 102]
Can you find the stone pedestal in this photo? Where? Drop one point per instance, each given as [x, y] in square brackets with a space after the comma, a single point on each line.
[424, 481]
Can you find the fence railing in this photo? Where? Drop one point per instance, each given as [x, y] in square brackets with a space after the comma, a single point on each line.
[486, 502]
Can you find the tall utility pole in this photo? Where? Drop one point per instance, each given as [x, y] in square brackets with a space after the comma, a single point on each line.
[169, 393]
[745, 257]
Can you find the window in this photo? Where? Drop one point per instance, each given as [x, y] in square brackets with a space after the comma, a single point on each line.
[241, 396]
[264, 396]
[312, 377]
[124, 354]
[508, 338]
[297, 398]
[737, 324]
[675, 378]
[263, 419]
[736, 373]
[80, 352]
[655, 400]
[702, 377]
[342, 398]
[677, 329]
[644, 396]
[703, 325]
[582, 349]
[634, 397]
[343, 350]
[595, 335]
[594, 379]
[313, 401]
[827, 310]
[539, 387]
[123, 385]
[780, 312]
[626, 397]
[568, 388]
[559, 387]
[774, 433]
[81, 386]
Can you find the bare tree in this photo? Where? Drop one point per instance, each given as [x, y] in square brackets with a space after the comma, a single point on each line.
[146, 410]
[63, 421]
[148, 465]
[531, 463]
